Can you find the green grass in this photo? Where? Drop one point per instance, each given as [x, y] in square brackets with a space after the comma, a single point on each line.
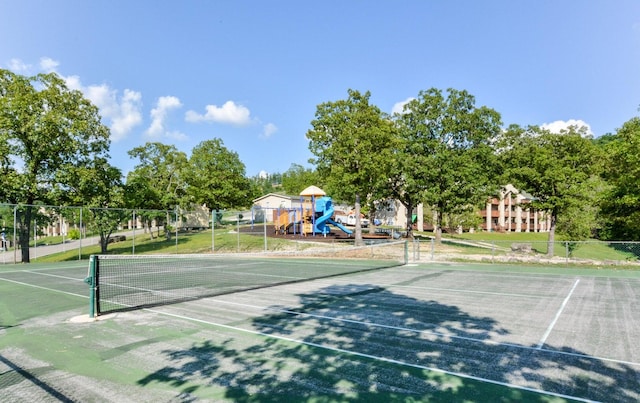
[592, 249]
[225, 241]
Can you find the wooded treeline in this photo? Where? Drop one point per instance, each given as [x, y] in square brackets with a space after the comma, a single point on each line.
[442, 150]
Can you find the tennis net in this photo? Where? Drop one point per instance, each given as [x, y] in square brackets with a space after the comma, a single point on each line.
[129, 282]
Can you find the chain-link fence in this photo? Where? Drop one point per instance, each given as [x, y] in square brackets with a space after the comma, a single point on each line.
[29, 232]
[32, 233]
[595, 253]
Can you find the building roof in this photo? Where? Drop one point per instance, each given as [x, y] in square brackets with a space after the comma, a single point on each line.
[276, 195]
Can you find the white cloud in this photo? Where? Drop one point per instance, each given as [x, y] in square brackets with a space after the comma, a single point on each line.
[176, 135]
[159, 114]
[48, 64]
[230, 113]
[18, 66]
[398, 107]
[559, 126]
[268, 130]
[127, 114]
[122, 113]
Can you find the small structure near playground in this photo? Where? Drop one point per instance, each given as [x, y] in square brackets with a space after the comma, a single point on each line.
[313, 216]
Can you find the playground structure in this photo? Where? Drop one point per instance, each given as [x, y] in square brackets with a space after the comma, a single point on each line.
[312, 217]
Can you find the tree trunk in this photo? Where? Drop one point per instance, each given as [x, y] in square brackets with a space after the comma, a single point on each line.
[358, 240]
[552, 235]
[438, 227]
[148, 227]
[372, 215]
[24, 231]
[104, 241]
[409, 207]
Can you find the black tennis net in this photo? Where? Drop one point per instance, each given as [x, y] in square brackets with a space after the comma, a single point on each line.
[121, 282]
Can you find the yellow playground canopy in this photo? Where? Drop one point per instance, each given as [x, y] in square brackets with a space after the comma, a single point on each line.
[313, 191]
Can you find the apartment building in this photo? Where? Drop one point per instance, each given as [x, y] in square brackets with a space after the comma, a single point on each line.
[510, 211]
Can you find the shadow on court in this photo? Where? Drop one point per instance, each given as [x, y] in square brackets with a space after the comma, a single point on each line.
[16, 374]
[359, 342]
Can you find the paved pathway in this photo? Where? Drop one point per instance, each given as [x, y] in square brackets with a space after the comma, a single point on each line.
[11, 256]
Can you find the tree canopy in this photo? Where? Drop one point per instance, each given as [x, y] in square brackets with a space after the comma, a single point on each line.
[98, 186]
[554, 168]
[297, 178]
[447, 157]
[352, 141]
[216, 177]
[621, 204]
[44, 127]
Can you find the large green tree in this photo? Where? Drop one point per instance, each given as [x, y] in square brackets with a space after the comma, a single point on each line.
[557, 169]
[353, 141]
[157, 183]
[621, 204]
[297, 178]
[44, 127]
[216, 177]
[98, 187]
[447, 160]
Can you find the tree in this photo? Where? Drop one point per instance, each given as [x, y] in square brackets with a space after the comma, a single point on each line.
[157, 183]
[447, 158]
[44, 127]
[621, 204]
[352, 141]
[98, 186]
[297, 178]
[216, 177]
[556, 169]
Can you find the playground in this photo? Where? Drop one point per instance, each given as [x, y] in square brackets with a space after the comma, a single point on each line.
[314, 216]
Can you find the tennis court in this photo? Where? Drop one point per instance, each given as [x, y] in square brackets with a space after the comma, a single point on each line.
[437, 332]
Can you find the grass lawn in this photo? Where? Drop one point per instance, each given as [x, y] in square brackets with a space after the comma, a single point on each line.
[591, 249]
[225, 240]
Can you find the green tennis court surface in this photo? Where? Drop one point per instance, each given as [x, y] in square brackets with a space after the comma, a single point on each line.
[433, 332]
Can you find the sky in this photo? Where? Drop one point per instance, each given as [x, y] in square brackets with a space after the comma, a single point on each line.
[252, 73]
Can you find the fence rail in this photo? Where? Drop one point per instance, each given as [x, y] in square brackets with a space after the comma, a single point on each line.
[596, 253]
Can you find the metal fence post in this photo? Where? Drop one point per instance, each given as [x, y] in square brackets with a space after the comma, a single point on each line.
[433, 249]
[406, 252]
[133, 241]
[176, 230]
[264, 221]
[213, 230]
[80, 237]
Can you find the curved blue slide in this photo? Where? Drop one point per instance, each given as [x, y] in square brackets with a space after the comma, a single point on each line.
[325, 205]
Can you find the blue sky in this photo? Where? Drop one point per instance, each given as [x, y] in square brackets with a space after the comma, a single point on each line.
[252, 72]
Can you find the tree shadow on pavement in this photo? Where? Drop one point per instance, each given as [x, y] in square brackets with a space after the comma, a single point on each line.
[363, 342]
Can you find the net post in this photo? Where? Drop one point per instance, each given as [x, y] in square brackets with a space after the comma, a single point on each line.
[91, 281]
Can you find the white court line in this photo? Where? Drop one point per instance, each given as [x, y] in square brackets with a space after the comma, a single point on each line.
[371, 357]
[463, 291]
[44, 288]
[553, 323]
[54, 275]
[426, 332]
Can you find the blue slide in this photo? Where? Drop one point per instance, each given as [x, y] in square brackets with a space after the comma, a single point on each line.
[324, 205]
